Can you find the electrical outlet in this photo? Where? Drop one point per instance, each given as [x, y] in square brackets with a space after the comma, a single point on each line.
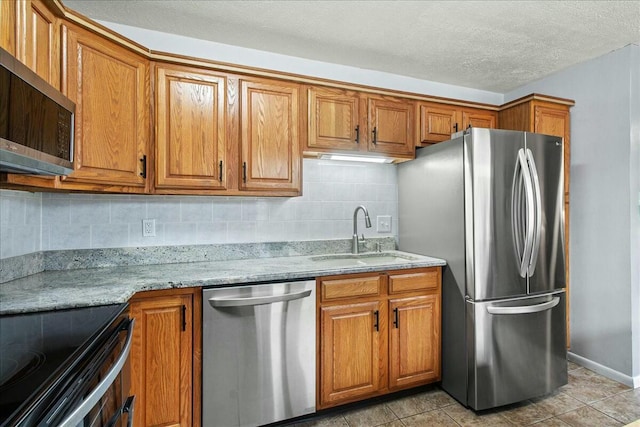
[148, 228]
[384, 223]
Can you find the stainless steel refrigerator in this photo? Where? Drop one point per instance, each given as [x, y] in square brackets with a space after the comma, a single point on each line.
[490, 202]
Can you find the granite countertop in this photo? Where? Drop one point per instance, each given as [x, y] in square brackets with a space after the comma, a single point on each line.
[53, 290]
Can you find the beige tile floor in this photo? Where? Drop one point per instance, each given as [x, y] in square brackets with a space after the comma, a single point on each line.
[588, 400]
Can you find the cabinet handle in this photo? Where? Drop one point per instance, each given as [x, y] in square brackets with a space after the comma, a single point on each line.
[375, 135]
[244, 171]
[144, 166]
[358, 134]
[220, 172]
[396, 322]
[184, 317]
[377, 316]
[455, 127]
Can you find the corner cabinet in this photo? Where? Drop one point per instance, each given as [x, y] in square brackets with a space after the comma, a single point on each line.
[378, 333]
[351, 122]
[165, 357]
[191, 129]
[270, 155]
[110, 86]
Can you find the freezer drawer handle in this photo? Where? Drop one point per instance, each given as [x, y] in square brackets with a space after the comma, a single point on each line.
[524, 309]
[243, 302]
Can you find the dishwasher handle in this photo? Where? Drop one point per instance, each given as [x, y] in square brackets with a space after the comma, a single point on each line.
[249, 301]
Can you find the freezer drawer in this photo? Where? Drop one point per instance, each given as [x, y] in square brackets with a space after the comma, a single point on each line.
[517, 349]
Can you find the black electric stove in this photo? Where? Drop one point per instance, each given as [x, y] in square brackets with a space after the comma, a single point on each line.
[40, 351]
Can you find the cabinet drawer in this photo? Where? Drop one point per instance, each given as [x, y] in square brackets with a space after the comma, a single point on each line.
[428, 279]
[338, 288]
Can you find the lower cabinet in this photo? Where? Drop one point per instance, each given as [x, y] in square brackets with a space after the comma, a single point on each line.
[378, 333]
[349, 374]
[163, 355]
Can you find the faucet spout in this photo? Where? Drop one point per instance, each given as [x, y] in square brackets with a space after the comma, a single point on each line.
[367, 222]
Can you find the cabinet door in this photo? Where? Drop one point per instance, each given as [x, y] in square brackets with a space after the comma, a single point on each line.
[414, 341]
[38, 41]
[110, 86]
[551, 121]
[391, 126]
[437, 122]
[8, 31]
[350, 351]
[270, 138]
[191, 129]
[479, 119]
[333, 119]
[161, 361]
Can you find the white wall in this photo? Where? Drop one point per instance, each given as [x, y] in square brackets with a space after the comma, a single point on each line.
[604, 205]
[331, 192]
[188, 46]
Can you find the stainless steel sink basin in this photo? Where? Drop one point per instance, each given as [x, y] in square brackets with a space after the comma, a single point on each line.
[372, 258]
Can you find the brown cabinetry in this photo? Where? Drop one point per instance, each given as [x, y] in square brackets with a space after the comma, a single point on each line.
[270, 136]
[352, 346]
[439, 121]
[358, 123]
[191, 136]
[110, 86]
[162, 358]
[378, 332]
[31, 32]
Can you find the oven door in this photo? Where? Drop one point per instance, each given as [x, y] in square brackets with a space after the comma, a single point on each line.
[97, 395]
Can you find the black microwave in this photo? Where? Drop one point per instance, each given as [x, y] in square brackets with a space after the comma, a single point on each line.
[36, 122]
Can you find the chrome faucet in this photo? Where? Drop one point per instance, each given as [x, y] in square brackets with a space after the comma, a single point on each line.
[367, 222]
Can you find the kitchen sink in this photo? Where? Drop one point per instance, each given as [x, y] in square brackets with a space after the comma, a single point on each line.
[372, 258]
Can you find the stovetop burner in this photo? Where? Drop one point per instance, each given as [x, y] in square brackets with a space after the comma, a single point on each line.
[15, 369]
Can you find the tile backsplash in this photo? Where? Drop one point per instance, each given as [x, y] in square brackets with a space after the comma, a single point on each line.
[20, 223]
[331, 192]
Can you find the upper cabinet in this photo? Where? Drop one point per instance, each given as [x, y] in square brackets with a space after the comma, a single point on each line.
[348, 121]
[391, 126]
[39, 45]
[8, 18]
[110, 86]
[334, 119]
[191, 120]
[270, 155]
[439, 121]
[31, 32]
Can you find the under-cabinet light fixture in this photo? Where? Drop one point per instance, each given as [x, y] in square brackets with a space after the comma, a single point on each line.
[356, 158]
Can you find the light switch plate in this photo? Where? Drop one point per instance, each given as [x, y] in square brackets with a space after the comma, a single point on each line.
[384, 223]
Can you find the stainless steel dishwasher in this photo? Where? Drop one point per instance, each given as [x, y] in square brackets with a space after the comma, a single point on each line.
[259, 353]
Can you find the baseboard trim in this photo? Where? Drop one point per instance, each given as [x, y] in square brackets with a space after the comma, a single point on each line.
[604, 370]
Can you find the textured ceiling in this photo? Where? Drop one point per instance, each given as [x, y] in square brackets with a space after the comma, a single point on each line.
[491, 45]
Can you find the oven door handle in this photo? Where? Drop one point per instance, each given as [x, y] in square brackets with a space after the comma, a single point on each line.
[126, 408]
[81, 411]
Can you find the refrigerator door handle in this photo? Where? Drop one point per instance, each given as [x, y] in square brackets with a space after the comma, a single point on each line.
[530, 214]
[524, 309]
[516, 213]
[538, 213]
